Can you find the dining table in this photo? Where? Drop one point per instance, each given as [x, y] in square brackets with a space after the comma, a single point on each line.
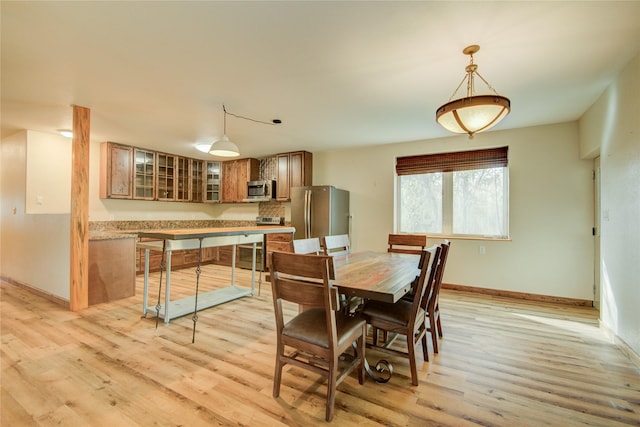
[379, 276]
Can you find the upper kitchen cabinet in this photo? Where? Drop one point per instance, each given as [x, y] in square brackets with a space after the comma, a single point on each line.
[183, 179]
[197, 180]
[294, 170]
[235, 175]
[212, 182]
[144, 178]
[166, 176]
[115, 171]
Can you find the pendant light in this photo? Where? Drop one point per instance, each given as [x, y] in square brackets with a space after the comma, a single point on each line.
[224, 147]
[473, 113]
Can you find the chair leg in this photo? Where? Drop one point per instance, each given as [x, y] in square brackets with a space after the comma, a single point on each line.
[331, 388]
[361, 349]
[411, 346]
[439, 324]
[277, 376]
[434, 332]
[425, 350]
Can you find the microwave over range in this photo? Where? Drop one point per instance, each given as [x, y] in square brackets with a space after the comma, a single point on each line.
[261, 191]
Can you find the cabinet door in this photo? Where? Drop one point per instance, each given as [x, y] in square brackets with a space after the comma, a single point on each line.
[144, 174]
[115, 171]
[229, 181]
[197, 180]
[213, 182]
[247, 170]
[282, 182]
[294, 170]
[166, 177]
[183, 179]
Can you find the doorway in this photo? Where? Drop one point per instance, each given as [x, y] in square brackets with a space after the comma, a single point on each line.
[596, 233]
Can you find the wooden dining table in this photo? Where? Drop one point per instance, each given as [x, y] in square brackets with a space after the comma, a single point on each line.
[380, 276]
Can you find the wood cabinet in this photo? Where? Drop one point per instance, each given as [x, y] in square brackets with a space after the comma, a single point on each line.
[183, 179]
[221, 255]
[197, 180]
[282, 242]
[112, 270]
[165, 177]
[144, 174]
[235, 175]
[115, 171]
[213, 183]
[294, 170]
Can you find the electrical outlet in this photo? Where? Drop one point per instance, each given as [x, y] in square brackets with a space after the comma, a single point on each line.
[482, 250]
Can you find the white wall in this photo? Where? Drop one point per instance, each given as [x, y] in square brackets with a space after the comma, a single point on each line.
[35, 247]
[551, 209]
[613, 125]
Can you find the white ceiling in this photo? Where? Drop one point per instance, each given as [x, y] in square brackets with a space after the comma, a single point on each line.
[338, 74]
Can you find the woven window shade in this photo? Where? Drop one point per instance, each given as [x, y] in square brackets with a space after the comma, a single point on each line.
[449, 162]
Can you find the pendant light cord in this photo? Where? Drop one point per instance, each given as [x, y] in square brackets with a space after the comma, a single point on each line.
[241, 117]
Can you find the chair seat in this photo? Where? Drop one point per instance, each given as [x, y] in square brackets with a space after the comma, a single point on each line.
[398, 313]
[311, 326]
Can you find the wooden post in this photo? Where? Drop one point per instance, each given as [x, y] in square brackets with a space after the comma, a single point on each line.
[79, 287]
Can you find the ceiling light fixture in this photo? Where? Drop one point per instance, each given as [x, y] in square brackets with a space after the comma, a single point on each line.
[224, 147]
[66, 133]
[474, 113]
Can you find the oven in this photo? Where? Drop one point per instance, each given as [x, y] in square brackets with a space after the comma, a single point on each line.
[245, 252]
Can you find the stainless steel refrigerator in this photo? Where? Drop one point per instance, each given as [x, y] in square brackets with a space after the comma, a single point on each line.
[319, 210]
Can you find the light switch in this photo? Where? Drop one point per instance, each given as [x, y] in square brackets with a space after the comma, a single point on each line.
[39, 200]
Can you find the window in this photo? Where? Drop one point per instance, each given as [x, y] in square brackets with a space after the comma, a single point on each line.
[454, 194]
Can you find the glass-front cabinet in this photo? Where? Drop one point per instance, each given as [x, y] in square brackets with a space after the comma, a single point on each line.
[183, 179]
[145, 173]
[166, 189]
[197, 180]
[212, 182]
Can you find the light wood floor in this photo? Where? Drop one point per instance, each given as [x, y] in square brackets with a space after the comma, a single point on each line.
[502, 363]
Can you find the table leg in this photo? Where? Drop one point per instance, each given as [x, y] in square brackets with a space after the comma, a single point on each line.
[145, 293]
[167, 289]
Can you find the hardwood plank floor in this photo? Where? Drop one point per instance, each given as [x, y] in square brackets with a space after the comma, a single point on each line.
[502, 362]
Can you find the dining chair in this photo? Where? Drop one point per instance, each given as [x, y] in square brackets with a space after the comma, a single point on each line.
[433, 297]
[404, 317]
[336, 245]
[407, 243]
[321, 336]
[307, 246]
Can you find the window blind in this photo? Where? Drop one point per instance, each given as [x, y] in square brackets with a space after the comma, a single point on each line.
[449, 162]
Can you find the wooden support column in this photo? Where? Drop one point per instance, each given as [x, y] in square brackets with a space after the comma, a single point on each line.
[79, 292]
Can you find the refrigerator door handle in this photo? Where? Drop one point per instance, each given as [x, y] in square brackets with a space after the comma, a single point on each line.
[307, 214]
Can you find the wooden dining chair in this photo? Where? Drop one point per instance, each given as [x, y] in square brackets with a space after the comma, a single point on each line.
[316, 338]
[404, 317]
[336, 245]
[433, 297]
[307, 246]
[407, 243]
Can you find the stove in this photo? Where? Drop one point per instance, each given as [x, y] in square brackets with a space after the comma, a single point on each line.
[270, 220]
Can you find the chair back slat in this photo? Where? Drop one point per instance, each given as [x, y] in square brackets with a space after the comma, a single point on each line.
[336, 245]
[407, 243]
[307, 246]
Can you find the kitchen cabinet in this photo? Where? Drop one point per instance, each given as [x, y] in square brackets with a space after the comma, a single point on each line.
[197, 180]
[235, 175]
[144, 177]
[221, 255]
[115, 171]
[282, 242]
[213, 182]
[112, 273]
[183, 179]
[294, 170]
[166, 177]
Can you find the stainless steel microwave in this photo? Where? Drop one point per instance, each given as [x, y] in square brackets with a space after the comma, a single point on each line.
[261, 191]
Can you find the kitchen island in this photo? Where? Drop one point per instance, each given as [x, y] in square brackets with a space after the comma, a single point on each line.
[199, 238]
